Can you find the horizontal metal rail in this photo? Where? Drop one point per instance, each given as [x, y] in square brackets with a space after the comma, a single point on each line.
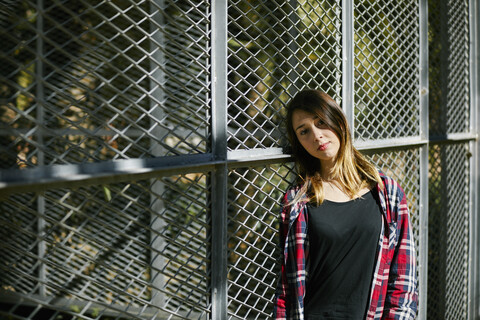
[74, 175]
[64, 305]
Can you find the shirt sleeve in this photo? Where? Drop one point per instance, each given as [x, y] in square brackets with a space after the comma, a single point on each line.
[282, 290]
[402, 295]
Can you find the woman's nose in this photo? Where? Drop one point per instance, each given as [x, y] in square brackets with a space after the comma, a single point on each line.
[318, 133]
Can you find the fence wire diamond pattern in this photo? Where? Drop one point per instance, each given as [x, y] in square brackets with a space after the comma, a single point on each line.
[386, 69]
[131, 250]
[275, 49]
[116, 80]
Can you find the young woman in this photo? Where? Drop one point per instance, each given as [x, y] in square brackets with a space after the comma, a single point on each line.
[347, 249]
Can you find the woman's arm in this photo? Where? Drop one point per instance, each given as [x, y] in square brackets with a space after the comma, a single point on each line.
[402, 295]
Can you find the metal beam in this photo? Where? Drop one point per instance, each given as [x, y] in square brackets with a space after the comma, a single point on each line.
[424, 136]
[219, 185]
[114, 171]
[40, 102]
[474, 205]
[75, 175]
[348, 90]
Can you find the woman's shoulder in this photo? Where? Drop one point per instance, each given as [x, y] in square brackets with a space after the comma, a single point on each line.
[387, 179]
[390, 185]
[295, 195]
[292, 191]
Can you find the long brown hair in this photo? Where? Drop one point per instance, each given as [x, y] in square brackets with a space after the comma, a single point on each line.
[352, 171]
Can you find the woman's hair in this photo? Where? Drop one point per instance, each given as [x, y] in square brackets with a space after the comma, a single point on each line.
[352, 171]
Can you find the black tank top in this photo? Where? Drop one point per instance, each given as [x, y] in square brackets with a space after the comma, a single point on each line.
[343, 243]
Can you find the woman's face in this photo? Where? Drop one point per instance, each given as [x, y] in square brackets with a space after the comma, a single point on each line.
[315, 136]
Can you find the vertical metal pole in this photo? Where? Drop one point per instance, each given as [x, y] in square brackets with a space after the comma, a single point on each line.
[219, 149]
[422, 262]
[424, 121]
[338, 53]
[474, 205]
[348, 62]
[39, 96]
[157, 101]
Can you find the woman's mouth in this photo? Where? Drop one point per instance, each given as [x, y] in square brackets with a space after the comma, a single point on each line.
[323, 146]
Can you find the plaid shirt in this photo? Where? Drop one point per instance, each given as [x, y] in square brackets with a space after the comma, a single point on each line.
[393, 293]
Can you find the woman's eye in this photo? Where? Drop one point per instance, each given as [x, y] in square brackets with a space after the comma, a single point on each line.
[303, 132]
[320, 124]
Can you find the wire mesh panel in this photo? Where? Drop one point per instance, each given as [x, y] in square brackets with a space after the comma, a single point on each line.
[253, 223]
[274, 50]
[253, 213]
[133, 250]
[404, 167]
[99, 80]
[448, 260]
[387, 45]
[449, 67]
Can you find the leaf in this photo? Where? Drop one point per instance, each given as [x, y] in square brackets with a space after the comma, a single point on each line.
[107, 194]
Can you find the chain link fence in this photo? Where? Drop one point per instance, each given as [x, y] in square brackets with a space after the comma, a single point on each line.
[113, 189]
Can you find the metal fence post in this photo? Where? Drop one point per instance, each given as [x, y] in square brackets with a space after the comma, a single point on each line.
[424, 120]
[218, 195]
[474, 285]
[338, 51]
[157, 87]
[347, 62]
[39, 93]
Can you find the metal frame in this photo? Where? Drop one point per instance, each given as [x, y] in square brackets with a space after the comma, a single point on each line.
[219, 149]
[423, 92]
[474, 254]
[348, 62]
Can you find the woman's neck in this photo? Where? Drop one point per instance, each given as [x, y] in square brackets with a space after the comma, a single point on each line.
[335, 192]
[327, 173]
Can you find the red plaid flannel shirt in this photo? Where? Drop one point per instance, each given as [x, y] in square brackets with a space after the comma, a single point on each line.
[394, 287]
